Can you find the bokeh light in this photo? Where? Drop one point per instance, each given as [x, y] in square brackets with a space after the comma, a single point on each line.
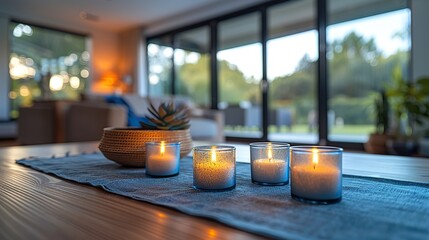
[56, 83]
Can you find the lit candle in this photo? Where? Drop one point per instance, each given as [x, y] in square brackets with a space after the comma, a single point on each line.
[266, 169]
[162, 159]
[316, 174]
[214, 167]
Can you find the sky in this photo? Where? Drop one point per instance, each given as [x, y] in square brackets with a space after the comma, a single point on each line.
[285, 53]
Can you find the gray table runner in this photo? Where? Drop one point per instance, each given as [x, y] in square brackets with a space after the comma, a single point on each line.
[371, 208]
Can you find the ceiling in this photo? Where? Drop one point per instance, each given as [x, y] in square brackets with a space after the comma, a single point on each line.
[107, 15]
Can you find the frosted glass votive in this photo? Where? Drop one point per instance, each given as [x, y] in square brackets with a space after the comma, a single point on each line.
[214, 168]
[316, 174]
[162, 159]
[269, 163]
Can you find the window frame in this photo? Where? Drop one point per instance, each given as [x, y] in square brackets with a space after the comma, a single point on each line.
[322, 67]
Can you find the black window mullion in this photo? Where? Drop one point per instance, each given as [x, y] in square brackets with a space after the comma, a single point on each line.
[322, 67]
[264, 80]
[173, 66]
[213, 65]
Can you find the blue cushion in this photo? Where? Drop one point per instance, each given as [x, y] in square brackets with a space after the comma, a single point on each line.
[133, 119]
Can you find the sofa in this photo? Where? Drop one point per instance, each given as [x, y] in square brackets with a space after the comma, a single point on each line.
[205, 124]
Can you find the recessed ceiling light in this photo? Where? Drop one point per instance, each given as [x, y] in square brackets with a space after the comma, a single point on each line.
[88, 16]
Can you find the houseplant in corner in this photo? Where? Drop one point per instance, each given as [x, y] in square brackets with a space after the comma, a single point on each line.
[410, 104]
[377, 141]
[126, 146]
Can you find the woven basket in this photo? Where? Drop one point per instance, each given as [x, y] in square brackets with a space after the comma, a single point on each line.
[126, 146]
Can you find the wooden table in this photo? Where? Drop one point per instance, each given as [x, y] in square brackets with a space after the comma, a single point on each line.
[39, 206]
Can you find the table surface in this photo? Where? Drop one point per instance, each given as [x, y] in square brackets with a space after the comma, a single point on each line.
[35, 205]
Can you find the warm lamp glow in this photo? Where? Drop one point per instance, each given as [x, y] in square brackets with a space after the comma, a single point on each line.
[109, 83]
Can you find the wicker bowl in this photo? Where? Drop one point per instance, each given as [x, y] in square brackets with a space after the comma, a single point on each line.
[126, 146]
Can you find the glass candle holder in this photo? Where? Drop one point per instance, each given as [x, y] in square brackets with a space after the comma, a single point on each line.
[214, 168]
[162, 159]
[316, 174]
[269, 163]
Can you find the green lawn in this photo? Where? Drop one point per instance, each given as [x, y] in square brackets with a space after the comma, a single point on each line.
[345, 129]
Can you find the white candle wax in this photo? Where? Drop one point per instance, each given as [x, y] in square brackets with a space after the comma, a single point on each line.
[316, 182]
[214, 175]
[269, 171]
[162, 164]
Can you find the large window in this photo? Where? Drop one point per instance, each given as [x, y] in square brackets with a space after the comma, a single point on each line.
[160, 55]
[276, 46]
[45, 64]
[366, 44]
[292, 55]
[240, 72]
[192, 62]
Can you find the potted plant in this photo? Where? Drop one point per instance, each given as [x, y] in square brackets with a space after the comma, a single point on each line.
[410, 104]
[126, 146]
[377, 141]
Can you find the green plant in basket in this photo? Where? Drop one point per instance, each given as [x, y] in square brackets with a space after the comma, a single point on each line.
[166, 117]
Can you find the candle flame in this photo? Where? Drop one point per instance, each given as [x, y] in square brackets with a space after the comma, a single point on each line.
[270, 152]
[213, 153]
[315, 158]
[162, 147]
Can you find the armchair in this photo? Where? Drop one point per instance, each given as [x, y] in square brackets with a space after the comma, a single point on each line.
[67, 121]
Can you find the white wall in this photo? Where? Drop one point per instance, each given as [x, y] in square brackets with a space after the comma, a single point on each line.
[420, 38]
[130, 57]
[4, 70]
[142, 85]
[104, 55]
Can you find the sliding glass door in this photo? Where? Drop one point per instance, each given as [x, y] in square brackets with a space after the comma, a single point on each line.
[160, 66]
[368, 42]
[192, 62]
[292, 54]
[261, 66]
[240, 72]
